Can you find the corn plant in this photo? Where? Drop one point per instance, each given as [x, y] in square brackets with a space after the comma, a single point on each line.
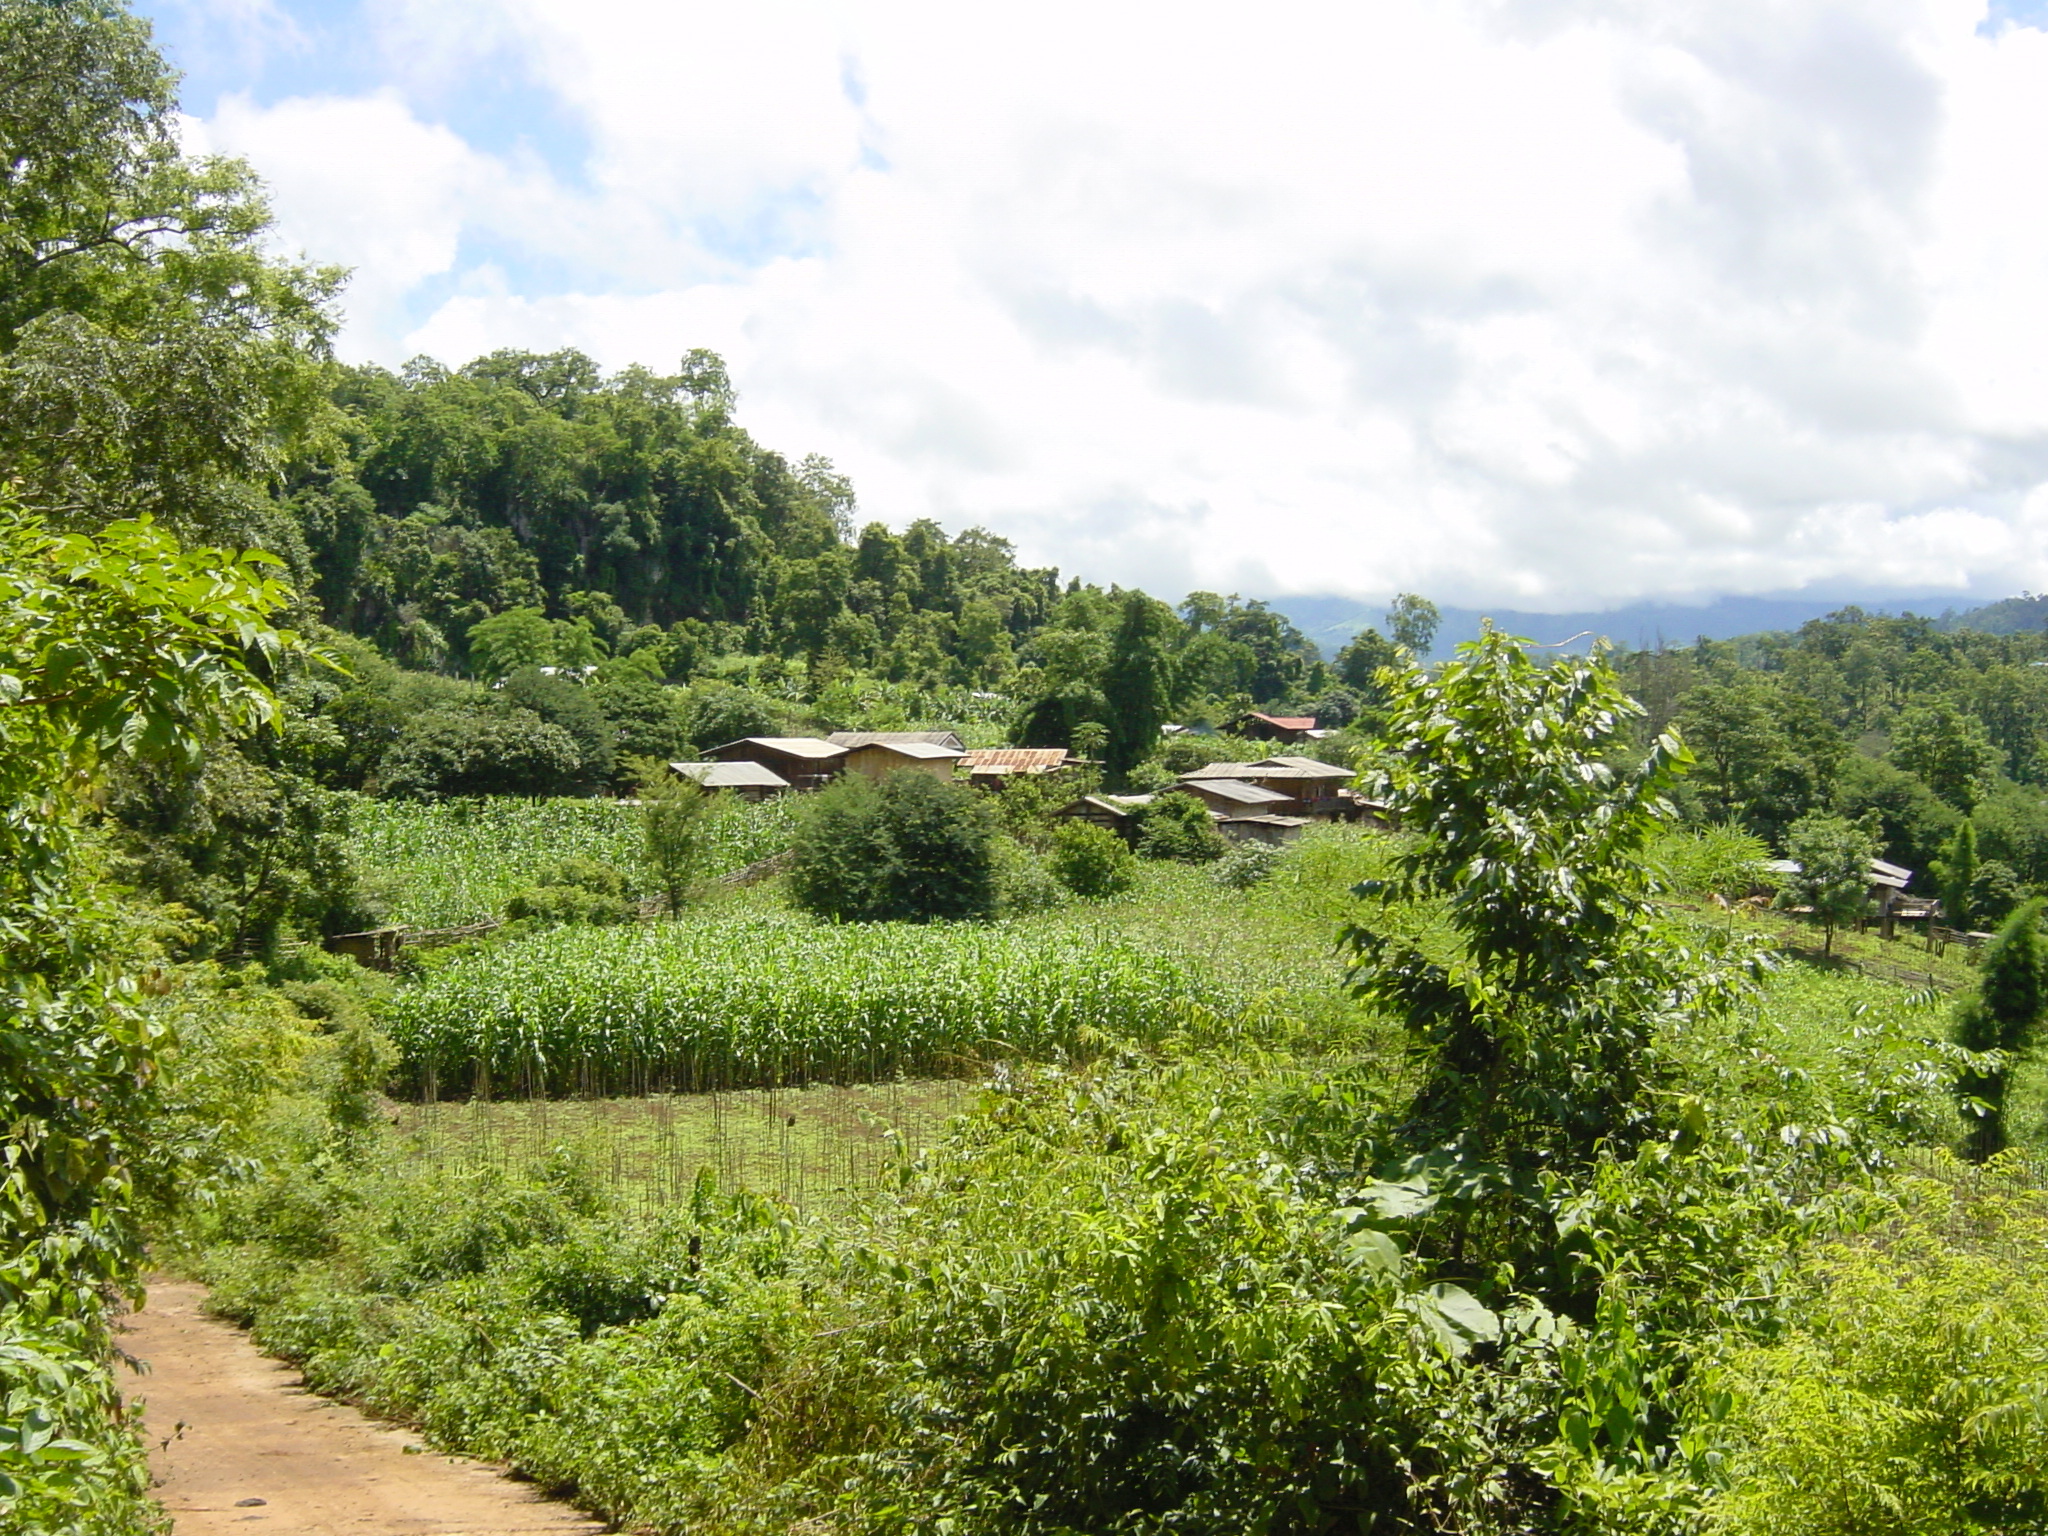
[771, 1000]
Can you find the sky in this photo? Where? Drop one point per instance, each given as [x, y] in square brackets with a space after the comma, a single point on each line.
[1556, 305]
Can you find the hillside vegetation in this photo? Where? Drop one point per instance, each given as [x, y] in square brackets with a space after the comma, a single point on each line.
[1539, 1158]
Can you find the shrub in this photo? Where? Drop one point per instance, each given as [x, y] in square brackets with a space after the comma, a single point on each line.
[1246, 865]
[678, 822]
[1023, 883]
[1092, 862]
[567, 904]
[587, 875]
[911, 850]
[1833, 879]
[1178, 827]
[1904, 1396]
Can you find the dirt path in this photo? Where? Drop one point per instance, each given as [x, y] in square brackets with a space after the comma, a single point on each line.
[259, 1455]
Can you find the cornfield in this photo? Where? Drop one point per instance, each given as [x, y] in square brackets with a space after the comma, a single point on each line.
[770, 1001]
[445, 864]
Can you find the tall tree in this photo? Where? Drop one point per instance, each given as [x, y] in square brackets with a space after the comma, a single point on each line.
[1947, 748]
[2004, 1016]
[1137, 683]
[112, 646]
[1413, 621]
[153, 357]
[1957, 876]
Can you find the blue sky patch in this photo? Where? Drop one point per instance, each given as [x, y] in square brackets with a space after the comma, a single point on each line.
[2014, 13]
[331, 48]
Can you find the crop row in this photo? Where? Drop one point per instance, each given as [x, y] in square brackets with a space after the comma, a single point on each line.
[442, 864]
[770, 1000]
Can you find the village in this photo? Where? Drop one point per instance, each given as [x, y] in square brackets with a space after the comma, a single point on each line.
[1269, 801]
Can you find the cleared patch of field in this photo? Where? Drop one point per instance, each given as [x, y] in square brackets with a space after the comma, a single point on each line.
[813, 1147]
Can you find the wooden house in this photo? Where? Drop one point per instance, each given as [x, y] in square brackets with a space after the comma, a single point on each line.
[855, 739]
[1311, 788]
[878, 759]
[1263, 828]
[743, 780]
[1119, 813]
[1233, 797]
[805, 762]
[992, 767]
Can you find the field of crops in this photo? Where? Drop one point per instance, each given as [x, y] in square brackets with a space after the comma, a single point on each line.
[773, 999]
[446, 864]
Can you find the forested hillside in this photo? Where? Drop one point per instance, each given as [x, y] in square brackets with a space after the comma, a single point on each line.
[1913, 731]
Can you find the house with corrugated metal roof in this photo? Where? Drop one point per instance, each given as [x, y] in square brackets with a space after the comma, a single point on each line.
[992, 767]
[1312, 789]
[855, 739]
[807, 762]
[1232, 797]
[1274, 727]
[1119, 813]
[743, 780]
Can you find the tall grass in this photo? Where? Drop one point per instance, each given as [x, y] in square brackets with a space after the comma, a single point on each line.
[444, 864]
[771, 999]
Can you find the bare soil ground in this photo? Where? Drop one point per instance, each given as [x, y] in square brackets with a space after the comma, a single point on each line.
[239, 1446]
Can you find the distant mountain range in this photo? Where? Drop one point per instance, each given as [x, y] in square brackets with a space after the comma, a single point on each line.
[1332, 621]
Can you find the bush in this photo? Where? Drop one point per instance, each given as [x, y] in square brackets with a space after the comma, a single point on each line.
[1092, 861]
[909, 850]
[575, 891]
[1023, 883]
[1148, 777]
[1902, 1399]
[1246, 865]
[1178, 827]
[480, 752]
[567, 904]
[1710, 861]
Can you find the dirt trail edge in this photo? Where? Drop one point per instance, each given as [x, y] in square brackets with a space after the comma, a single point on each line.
[260, 1455]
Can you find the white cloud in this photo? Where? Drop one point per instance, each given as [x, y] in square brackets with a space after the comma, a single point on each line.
[1552, 304]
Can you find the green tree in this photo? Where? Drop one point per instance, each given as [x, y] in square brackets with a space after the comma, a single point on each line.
[452, 753]
[1137, 682]
[721, 712]
[1956, 877]
[1359, 663]
[1413, 621]
[1950, 750]
[647, 718]
[510, 642]
[153, 357]
[569, 704]
[1526, 831]
[1178, 826]
[910, 849]
[2004, 1016]
[678, 821]
[1833, 878]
